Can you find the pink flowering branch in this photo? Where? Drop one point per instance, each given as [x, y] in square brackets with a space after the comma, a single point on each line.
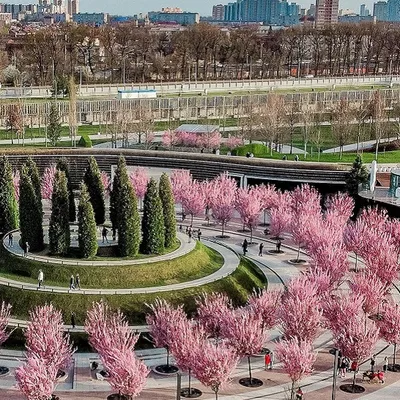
[47, 182]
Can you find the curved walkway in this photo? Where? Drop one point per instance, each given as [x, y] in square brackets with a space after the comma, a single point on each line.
[231, 262]
[17, 250]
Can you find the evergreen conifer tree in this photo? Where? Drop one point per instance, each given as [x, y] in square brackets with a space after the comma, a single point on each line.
[30, 213]
[153, 229]
[120, 175]
[33, 173]
[92, 180]
[128, 221]
[54, 127]
[87, 235]
[59, 234]
[8, 200]
[62, 165]
[168, 204]
[357, 175]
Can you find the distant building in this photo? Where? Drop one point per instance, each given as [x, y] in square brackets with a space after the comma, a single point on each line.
[393, 13]
[96, 19]
[326, 12]
[180, 18]
[311, 11]
[381, 11]
[355, 18]
[364, 12]
[218, 12]
[5, 19]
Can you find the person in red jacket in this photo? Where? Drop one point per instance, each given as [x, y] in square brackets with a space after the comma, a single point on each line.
[267, 360]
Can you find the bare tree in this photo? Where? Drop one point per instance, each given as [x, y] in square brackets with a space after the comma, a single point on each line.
[341, 122]
[72, 114]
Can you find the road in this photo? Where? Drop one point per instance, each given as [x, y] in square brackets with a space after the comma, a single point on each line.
[90, 91]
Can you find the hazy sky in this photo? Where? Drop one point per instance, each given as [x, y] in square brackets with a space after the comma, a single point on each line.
[130, 7]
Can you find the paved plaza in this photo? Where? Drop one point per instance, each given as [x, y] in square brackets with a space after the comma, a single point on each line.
[82, 384]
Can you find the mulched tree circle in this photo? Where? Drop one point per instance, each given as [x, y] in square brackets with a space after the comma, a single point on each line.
[350, 388]
[4, 371]
[275, 252]
[296, 261]
[194, 393]
[253, 382]
[394, 367]
[222, 237]
[116, 396]
[166, 369]
[277, 238]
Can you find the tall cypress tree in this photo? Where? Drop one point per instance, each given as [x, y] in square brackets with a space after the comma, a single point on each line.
[62, 165]
[168, 204]
[8, 200]
[54, 127]
[153, 229]
[33, 173]
[30, 213]
[59, 234]
[120, 175]
[128, 221]
[95, 187]
[87, 235]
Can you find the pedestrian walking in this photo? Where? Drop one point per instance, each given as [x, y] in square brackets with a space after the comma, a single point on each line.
[77, 282]
[372, 363]
[245, 245]
[190, 235]
[385, 364]
[73, 320]
[40, 278]
[10, 239]
[104, 233]
[271, 363]
[114, 234]
[343, 368]
[260, 248]
[296, 158]
[299, 394]
[180, 228]
[72, 283]
[278, 246]
[199, 235]
[26, 249]
[267, 360]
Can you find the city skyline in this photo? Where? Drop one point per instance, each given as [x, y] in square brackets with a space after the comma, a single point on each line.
[127, 7]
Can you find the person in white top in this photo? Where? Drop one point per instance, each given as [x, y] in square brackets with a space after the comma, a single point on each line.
[40, 278]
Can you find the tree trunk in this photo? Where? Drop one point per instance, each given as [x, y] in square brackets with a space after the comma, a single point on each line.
[394, 355]
[167, 348]
[249, 361]
[298, 254]
[190, 382]
[292, 391]
[354, 378]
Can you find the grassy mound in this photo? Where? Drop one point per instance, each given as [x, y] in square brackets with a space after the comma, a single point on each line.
[237, 286]
[258, 150]
[200, 262]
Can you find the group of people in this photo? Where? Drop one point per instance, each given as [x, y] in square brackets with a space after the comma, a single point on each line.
[245, 246]
[190, 232]
[74, 282]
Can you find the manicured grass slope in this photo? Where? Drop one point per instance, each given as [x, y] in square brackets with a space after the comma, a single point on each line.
[202, 261]
[237, 286]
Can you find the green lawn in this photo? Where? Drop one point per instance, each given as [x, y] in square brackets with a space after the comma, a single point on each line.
[237, 286]
[202, 261]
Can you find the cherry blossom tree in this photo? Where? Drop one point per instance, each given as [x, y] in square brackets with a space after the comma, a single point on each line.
[47, 182]
[370, 288]
[5, 313]
[139, 180]
[389, 326]
[45, 338]
[206, 188]
[339, 209]
[280, 217]
[265, 303]
[170, 138]
[300, 312]
[212, 310]
[106, 181]
[180, 181]
[298, 358]
[214, 365]
[185, 346]
[163, 322]
[243, 331]
[321, 279]
[234, 141]
[269, 197]
[249, 206]
[192, 200]
[36, 379]
[223, 196]
[110, 335]
[354, 240]
[16, 179]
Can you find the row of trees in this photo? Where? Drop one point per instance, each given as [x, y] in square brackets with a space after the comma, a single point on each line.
[119, 53]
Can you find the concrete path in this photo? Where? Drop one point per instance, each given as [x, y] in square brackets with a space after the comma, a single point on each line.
[185, 248]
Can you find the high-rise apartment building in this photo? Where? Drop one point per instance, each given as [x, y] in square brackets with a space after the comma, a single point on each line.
[381, 11]
[326, 12]
[393, 7]
[218, 12]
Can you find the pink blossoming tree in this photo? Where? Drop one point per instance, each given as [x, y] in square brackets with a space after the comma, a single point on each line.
[265, 303]
[214, 365]
[139, 180]
[164, 321]
[298, 358]
[192, 200]
[181, 179]
[47, 182]
[106, 180]
[36, 379]
[223, 196]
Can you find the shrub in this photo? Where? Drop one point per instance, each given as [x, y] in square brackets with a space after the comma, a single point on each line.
[8, 201]
[168, 204]
[85, 141]
[258, 149]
